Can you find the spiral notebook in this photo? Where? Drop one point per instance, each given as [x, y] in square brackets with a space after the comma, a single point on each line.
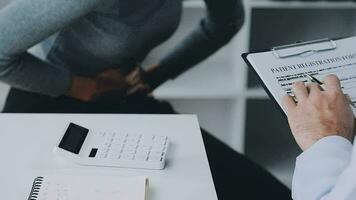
[89, 188]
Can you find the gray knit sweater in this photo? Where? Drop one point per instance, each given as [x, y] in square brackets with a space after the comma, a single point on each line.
[94, 35]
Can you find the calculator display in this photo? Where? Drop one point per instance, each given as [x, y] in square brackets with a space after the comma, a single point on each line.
[73, 138]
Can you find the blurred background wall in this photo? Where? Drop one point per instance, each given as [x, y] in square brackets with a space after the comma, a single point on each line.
[226, 95]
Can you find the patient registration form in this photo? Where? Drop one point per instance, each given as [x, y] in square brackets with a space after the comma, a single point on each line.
[279, 74]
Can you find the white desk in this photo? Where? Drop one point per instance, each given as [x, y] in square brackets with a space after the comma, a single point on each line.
[27, 141]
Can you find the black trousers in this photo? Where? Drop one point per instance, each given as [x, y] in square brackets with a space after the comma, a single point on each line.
[235, 176]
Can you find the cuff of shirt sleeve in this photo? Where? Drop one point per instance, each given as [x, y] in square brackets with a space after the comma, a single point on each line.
[318, 167]
[331, 145]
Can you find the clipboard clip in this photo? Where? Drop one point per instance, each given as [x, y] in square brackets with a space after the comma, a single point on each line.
[278, 54]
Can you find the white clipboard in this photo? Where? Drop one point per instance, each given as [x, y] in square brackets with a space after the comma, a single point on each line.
[278, 67]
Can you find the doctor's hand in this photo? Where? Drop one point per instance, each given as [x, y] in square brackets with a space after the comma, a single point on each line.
[110, 85]
[319, 113]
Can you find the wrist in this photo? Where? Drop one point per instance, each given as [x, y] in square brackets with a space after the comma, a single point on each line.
[156, 75]
[82, 88]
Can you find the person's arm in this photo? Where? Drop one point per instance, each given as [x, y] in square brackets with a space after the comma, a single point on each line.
[23, 24]
[223, 21]
[322, 123]
[324, 171]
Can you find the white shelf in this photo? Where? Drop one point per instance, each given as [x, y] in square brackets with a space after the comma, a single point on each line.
[206, 81]
[257, 93]
[187, 88]
[282, 4]
[194, 4]
[300, 4]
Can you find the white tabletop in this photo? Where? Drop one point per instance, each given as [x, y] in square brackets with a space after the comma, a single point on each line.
[27, 141]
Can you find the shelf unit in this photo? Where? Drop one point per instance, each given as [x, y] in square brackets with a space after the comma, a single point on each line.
[219, 97]
[207, 81]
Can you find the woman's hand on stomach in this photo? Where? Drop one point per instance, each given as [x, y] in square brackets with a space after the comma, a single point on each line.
[110, 85]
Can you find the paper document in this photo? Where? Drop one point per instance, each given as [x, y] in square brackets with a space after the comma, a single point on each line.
[279, 74]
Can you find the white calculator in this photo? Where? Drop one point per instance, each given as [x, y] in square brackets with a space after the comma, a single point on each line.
[112, 149]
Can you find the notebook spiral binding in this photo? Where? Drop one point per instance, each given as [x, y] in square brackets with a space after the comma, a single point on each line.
[37, 183]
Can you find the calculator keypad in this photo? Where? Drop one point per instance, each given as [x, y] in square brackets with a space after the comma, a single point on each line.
[132, 147]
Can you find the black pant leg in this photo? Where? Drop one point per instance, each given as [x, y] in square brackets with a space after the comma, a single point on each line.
[19, 101]
[236, 177]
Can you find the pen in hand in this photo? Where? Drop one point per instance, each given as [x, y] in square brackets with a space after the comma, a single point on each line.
[313, 79]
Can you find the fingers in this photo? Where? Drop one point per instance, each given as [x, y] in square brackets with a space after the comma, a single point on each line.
[300, 91]
[137, 88]
[313, 88]
[113, 84]
[288, 103]
[110, 74]
[332, 83]
[134, 77]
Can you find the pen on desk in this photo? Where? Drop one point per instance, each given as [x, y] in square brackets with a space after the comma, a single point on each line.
[313, 79]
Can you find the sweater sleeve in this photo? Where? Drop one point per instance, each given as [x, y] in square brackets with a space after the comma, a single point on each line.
[223, 21]
[25, 23]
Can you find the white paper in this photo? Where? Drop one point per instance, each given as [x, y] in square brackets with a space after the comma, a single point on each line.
[93, 188]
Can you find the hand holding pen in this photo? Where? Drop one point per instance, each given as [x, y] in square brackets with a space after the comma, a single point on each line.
[319, 113]
[321, 84]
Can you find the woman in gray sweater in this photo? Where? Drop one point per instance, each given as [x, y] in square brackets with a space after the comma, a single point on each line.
[92, 66]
